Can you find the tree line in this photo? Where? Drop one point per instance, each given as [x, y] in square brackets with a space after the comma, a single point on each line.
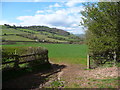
[41, 28]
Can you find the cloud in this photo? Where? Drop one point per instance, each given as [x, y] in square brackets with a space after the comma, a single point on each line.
[55, 5]
[67, 19]
[56, 19]
[2, 22]
[78, 30]
[39, 11]
[71, 3]
[63, 18]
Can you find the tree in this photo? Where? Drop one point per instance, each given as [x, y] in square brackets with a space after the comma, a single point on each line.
[103, 36]
[14, 26]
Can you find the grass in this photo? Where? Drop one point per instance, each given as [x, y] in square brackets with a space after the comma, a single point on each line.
[41, 35]
[110, 83]
[56, 84]
[55, 40]
[12, 31]
[16, 38]
[62, 53]
[106, 83]
[97, 83]
[29, 31]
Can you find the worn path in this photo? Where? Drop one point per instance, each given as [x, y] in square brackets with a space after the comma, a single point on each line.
[78, 76]
[72, 76]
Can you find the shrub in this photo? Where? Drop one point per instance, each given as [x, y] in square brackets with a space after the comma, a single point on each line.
[20, 51]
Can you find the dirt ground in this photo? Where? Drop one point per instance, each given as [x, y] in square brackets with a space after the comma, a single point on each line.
[71, 76]
[76, 76]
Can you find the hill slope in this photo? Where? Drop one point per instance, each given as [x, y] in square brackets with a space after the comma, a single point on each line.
[37, 33]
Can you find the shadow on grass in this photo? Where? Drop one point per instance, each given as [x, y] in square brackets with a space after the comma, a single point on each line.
[29, 78]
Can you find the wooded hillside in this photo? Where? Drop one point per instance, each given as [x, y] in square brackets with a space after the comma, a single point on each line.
[37, 33]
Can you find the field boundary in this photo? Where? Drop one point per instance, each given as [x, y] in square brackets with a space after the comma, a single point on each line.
[17, 59]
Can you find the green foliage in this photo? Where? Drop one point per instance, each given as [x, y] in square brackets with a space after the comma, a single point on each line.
[14, 50]
[56, 84]
[101, 20]
[19, 50]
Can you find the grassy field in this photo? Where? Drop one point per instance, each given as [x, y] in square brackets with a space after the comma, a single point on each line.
[73, 55]
[12, 31]
[48, 36]
[62, 53]
[16, 38]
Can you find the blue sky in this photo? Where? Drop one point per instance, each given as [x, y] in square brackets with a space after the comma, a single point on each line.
[62, 15]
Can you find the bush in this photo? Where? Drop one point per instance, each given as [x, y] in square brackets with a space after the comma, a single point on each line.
[20, 50]
[42, 58]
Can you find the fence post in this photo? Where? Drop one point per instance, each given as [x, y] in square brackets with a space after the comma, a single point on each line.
[46, 56]
[88, 61]
[115, 58]
[16, 64]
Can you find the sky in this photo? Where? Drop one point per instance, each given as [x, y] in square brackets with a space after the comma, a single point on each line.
[55, 14]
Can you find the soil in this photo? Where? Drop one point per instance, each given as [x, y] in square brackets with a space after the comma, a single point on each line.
[71, 75]
[78, 76]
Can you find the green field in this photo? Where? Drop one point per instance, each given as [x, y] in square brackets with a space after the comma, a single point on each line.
[16, 38]
[12, 31]
[65, 53]
[37, 33]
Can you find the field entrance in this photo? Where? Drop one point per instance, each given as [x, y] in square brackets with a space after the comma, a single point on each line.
[69, 55]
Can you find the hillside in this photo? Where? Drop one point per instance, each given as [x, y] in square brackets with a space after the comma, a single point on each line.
[36, 33]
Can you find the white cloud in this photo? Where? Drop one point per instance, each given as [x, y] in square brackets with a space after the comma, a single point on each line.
[39, 11]
[71, 3]
[65, 18]
[78, 30]
[58, 18]
[2, 22]
[55, 5]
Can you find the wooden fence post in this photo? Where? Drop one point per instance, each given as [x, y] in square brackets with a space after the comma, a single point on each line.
[88, 61]
[46, 56]
[115, 58]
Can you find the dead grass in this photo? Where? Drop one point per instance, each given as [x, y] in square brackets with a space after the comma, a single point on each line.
[76, 76]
